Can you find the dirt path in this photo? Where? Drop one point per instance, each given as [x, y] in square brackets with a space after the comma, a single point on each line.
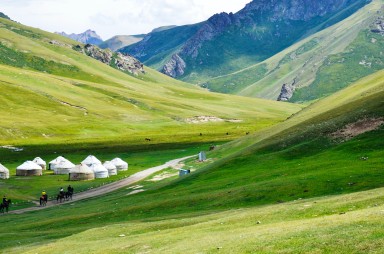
[108, 187]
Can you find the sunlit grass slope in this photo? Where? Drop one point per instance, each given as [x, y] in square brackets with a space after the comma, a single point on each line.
[50, 93]
[342, 224]
[274, 173]
[325, 62]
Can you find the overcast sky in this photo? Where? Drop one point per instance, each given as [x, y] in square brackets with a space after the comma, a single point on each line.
[113, 17]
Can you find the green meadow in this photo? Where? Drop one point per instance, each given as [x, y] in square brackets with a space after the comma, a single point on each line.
[291, 188]
[299, 182]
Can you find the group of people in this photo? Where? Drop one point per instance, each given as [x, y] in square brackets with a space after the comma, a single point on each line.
[44, 195]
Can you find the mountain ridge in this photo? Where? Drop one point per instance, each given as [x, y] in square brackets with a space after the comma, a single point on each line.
[87, 37]
[260, 28]
[343, 46]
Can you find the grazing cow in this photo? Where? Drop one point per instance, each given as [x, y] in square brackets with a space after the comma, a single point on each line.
[147, 139]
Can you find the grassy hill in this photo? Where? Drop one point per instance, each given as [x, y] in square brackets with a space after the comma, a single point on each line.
[121, 41]
[320, 64]
[75, 98]
[304, 185]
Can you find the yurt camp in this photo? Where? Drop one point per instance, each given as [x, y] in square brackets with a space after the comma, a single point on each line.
[64, 167]
[4, 172]
[91, 160]
[120, 164]
[39, 161]
[81, 173]
[52, 164]
[99, 170]
[29, 168]
[112, 170]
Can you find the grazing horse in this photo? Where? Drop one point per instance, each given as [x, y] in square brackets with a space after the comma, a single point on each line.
[5, 206]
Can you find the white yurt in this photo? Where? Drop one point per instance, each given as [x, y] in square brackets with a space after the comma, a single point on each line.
[53, 163]
[4, 172]
[63, 167]
[91, 160]
[29, 168]
[120, 164]
[39, 161]
[99, 170]
[81, 173]
[112, 170]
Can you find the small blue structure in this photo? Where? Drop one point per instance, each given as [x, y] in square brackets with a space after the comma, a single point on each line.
[183, 172]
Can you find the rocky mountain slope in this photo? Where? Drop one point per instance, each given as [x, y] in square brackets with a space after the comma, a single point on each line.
[229, 42]
[317, 66]
[88, 36]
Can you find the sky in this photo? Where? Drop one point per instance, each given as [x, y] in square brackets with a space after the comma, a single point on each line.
[113, 17]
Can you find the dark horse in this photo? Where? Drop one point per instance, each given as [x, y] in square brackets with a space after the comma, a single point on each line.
[5, 206]
[64, 196]
[60, 197]
[43, 200]
[68, 195]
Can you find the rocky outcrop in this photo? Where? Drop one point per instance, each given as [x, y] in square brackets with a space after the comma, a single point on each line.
[88, 37]
[174, 67]
[119, 61]
[287, 91]
[128, 63]
[378, 26]
[102, 55]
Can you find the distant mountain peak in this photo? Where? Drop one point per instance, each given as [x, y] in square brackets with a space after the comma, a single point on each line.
[87, 37]
[2, 15]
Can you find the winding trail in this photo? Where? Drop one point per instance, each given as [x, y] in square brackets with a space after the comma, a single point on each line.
[108, 187]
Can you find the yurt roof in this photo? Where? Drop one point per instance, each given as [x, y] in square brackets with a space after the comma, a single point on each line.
[39, 161]
[109, 165]
[119, 162]
[3, 169]
[29, 165]
[65, 164]
[82, 168]
[91, 160]
[58, 159]
[98, 168]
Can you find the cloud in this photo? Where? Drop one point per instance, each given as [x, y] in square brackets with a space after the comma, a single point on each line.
[112, 17]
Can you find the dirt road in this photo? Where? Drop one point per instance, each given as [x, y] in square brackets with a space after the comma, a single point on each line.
[108, 187]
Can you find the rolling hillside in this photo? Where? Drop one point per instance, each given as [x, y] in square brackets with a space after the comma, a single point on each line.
[317, 66]
[74, 98]
[314, 176]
